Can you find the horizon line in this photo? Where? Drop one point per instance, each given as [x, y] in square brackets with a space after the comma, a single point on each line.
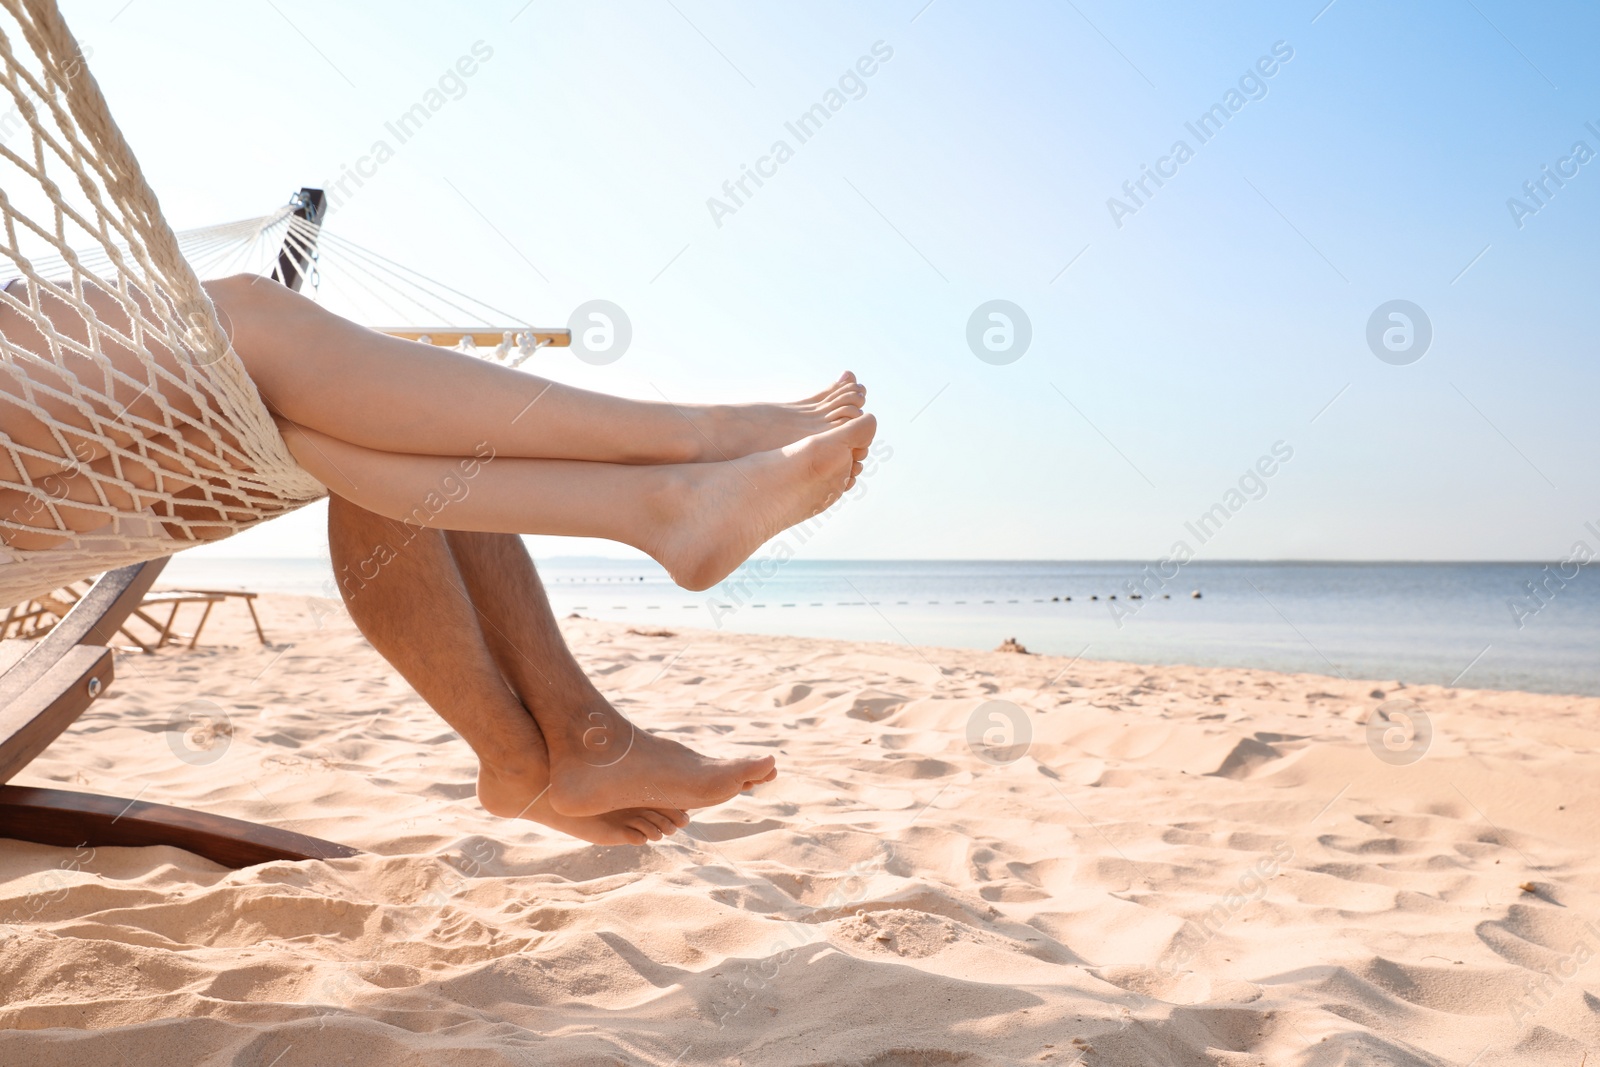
[1137, 561]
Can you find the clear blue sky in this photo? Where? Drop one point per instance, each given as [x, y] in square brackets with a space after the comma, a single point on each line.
[1221, 317]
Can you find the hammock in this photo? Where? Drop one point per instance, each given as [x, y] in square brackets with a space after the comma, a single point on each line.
[362, 285]
[128, 426]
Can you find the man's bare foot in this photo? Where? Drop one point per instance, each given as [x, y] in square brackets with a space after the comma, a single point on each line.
[515, 784]
[527, 796]
[599, 761]
[733, 431]
[722, 512]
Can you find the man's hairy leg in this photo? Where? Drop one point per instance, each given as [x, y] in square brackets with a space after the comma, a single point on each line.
[598, 758]
[402, 589]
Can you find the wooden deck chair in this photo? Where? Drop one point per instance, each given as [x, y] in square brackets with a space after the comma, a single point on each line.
[45, 685]
[34, 618]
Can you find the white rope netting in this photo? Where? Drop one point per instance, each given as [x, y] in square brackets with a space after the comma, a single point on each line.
[129, 428]
[370, 288]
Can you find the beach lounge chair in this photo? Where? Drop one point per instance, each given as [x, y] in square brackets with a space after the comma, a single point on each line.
[34, 618]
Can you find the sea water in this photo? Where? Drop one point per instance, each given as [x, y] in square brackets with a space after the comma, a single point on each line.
[1478, 625]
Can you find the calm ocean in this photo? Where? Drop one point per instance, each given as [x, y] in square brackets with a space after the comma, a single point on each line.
[1438, 623]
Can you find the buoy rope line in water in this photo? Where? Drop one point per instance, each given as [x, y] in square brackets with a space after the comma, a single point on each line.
[875, 603]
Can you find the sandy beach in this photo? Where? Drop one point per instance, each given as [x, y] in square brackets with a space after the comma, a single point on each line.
[1151, 866]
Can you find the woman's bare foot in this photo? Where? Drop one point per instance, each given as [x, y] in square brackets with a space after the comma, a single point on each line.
[526, 795]
[599, 761]
[733, 431]
[722, 512]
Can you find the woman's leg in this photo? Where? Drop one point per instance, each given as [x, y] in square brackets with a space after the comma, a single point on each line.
[698, 520]
[343, 380]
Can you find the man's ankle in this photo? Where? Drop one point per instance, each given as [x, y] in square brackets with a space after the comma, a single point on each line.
[586, 724]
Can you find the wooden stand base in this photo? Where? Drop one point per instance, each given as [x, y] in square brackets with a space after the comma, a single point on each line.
[74, 820]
